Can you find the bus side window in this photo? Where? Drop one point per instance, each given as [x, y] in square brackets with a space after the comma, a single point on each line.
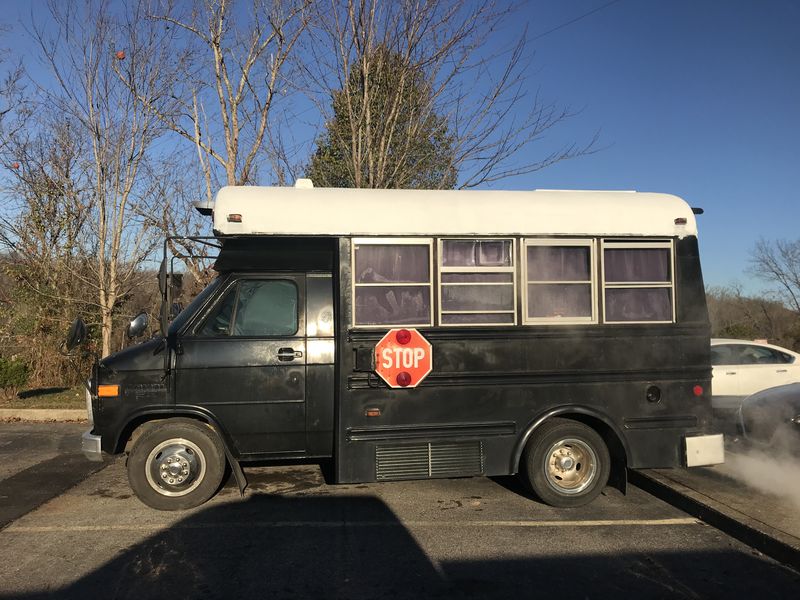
[392, 282]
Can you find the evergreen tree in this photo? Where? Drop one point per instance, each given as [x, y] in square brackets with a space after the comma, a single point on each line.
[384, 132]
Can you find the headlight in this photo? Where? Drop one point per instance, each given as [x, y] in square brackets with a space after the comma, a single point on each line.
[89, 403]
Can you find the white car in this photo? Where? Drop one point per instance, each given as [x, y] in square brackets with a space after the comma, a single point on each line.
[741, 368]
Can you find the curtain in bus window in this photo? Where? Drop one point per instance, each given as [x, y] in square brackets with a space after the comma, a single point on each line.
[392, 284]
[637, 265]
[638, 284]
[395, 263]
[559, 263]
[477, 297]
[559, 300]
[638, 304]
[559, 282]
[477, 282]
[476, 253]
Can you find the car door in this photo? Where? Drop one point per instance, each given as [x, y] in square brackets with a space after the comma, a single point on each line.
[762, 368]
[245, 362]
[725, 384]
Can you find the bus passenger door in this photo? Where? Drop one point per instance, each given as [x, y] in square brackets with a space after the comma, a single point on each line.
[246, 364]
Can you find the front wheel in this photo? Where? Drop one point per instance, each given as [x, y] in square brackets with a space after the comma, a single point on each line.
[176, 464]
[566, 463]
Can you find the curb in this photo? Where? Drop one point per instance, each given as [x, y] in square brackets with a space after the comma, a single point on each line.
[776, 544]
[43, 414]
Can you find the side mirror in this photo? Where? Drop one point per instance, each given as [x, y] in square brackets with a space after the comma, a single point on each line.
[76, 335]
[162, 277]
[137, 325]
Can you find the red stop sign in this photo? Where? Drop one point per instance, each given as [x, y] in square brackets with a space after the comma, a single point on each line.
[403, 358]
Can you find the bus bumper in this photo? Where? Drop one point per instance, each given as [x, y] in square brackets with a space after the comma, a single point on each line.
[90, 446]
[705, 450]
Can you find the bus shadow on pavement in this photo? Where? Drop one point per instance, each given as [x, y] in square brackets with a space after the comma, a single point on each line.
[355, 547]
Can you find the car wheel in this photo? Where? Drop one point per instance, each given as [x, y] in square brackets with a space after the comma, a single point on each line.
[566, 463]
[176, 464]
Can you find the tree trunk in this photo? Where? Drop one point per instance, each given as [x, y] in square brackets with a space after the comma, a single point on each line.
[106, 330]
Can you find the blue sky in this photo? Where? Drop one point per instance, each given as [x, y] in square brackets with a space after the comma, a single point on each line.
[697, 98]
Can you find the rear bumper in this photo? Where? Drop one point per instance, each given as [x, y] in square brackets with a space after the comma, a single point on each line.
[704, 450]
[90, 446]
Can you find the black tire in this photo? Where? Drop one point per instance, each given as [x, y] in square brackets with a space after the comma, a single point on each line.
[176, 464]
[566, 463]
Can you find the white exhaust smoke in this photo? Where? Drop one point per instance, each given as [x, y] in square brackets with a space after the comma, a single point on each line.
[776, 474]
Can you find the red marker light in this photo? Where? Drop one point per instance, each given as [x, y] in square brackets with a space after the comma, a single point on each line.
[403, 379]
[698, 390]
[403, 337]
[234, 218]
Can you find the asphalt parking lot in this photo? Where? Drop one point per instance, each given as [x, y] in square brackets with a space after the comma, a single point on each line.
[293, 536]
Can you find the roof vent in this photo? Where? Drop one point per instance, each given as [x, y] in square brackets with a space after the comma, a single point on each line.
[305, 184]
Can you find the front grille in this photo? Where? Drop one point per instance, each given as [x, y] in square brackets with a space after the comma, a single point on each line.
[427, 460]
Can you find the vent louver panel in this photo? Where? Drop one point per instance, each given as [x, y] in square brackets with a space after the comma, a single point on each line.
[453, 459]
[423, 461]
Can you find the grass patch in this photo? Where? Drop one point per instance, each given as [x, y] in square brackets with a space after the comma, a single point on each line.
[46, 398]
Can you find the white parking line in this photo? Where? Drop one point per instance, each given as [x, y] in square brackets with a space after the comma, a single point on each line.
[338, 524]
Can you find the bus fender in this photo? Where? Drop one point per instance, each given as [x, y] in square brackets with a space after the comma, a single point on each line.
[160, 413]
[516, 455]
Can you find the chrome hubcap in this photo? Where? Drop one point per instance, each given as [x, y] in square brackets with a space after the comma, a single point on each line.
[175, 467]
[571, 466]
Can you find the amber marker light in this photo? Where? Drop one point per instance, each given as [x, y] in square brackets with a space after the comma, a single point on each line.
[107, 391]
[234, 218]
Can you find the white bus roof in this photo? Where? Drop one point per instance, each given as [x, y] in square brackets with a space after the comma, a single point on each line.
[295, 211]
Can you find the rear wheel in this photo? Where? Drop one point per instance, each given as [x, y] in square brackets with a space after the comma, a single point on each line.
[566, 463]
[176, 464]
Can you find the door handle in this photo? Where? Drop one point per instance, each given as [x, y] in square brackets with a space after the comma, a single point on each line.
[730, 372]
[287, 354]
[781, 371]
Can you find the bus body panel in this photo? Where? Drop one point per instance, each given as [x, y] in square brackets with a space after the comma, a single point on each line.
[489, 384]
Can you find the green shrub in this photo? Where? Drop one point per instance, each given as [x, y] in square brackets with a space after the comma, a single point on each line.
[13, 373]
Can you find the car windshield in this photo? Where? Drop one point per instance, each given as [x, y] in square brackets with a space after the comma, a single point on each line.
[179, 321]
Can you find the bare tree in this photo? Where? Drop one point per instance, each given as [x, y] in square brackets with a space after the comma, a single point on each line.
[735, 314]
[778, 262]
[48, 203]
[477, 91]
[84, 50]
[222, 76]
[226, 79]
[11, 93]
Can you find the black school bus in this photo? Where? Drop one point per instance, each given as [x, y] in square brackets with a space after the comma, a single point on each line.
[569, 335]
